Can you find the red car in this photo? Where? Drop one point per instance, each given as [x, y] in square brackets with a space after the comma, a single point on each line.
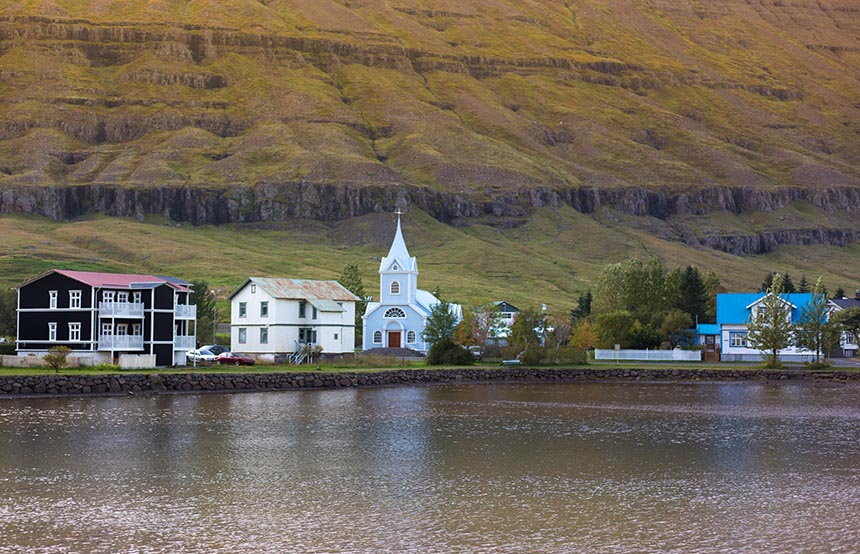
[233, 358]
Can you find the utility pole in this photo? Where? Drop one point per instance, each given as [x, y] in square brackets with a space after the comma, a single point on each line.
[215, 293]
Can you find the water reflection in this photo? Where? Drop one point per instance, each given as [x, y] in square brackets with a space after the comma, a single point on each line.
[478, 468]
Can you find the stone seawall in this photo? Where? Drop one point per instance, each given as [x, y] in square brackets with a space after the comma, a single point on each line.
[159, 383]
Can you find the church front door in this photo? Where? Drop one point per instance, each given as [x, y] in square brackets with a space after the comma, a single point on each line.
[393, 339]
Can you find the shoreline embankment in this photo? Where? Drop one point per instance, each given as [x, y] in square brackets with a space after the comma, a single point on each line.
[120, 384]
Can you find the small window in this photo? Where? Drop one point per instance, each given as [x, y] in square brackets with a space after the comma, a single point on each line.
[137, 298]
[377, 337]
[136, 329]
[74, 299]
[243, 309]
[395, 287]
[74, 331]
[243, 335]
[314, 313]
[122, 329]
[264, 309]
[52, 296]
[122, 297]
[107, 296]
[107, 329]
[395, 313]
[253, 288]
[302, 308]
[52, 331]
[737, 339]
[394, 267]
[264, 335]
[335, 336]
[410, 336]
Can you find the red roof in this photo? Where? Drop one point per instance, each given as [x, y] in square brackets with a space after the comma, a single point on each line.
[119, 280]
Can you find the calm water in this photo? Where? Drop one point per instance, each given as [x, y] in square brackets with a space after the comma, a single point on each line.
[476, 468]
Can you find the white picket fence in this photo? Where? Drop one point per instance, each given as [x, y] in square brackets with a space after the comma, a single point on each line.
[137, 361]
[676, 355]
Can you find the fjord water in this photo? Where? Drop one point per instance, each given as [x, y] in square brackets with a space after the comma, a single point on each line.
[458, 468]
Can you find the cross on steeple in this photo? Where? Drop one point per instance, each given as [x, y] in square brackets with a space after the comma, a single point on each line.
[399, 212]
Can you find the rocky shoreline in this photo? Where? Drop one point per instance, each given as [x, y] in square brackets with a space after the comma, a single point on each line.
[117, 384]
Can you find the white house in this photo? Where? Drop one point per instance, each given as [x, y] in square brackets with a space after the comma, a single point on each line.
[848, 346]
[272, 318]
[398, 319]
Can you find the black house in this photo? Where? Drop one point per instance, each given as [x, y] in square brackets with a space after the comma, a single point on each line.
[102, 315]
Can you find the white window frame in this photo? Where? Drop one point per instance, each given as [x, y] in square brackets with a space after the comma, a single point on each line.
[377, 337]
[136, 329]
[122, 297]
[264, 308]
[108, 296]
[107, 330]
[122, 329]
[733, 339]
[410, 337]
[74, 331]
[137, 297]
[314, 312]
[243, 309]
[75, 299]
[390, 313]
[303, 310]
[52, 299]
[253, 288]
[243, 335]
[52, 331]
[264, 335]
[395, 287]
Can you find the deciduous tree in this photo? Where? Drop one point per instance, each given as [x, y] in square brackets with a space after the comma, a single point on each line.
[770, 329]
[814, 331]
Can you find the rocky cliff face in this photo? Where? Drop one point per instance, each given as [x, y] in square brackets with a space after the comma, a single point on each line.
[247, 111]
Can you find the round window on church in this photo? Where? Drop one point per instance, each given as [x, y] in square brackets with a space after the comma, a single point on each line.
[394, 267]
[395, 312]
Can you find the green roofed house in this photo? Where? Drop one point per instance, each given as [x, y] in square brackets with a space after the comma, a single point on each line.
[276, 319]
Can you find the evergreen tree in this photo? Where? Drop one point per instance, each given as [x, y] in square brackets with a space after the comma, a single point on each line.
[8, 315]
[814, 332]
[350, 278]
[840, 293]
[803, 285]
[769, 329]
[692, 297]
[788, 285]
[583, 307]
[203, 298]
[440, 323]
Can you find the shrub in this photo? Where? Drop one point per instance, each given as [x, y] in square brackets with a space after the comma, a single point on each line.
[533, 355]
[7, 348]
[56, 357]
[445, 352]
[816, 365]
[571, 355]
[492, 352]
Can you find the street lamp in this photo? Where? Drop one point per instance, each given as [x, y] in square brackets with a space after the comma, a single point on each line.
[215, 294]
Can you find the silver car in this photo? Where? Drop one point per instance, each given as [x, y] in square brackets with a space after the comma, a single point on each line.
[201, 355]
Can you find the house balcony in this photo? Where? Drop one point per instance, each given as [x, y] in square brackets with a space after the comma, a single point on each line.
[121, 309]
[120, 342]
[185, 311]
[184, 342]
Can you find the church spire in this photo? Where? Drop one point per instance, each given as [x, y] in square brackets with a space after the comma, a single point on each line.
[398, 251]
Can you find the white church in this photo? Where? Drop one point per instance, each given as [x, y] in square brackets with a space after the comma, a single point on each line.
[398, 319]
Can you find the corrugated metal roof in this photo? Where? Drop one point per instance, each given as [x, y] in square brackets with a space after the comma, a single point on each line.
[733, 307]
[318, 293]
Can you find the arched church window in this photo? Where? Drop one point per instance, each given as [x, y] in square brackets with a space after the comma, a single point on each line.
[395, 312]
[395, 287]
[377, 337]
[410, 336]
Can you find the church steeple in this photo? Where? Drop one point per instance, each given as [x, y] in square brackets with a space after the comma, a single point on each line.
[399, 253]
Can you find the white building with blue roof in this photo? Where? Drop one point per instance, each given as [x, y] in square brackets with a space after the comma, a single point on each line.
[398, 319]
[734, 312]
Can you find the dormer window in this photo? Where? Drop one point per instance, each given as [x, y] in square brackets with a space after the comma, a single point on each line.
[395, 287]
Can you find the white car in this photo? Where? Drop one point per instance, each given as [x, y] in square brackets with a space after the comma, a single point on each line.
[200, 356]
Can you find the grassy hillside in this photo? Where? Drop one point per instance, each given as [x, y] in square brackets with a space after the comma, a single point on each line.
[487, 95]
[550, 260]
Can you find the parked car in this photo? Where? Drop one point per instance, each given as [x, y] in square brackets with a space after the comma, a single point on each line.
[215, 348]
[200, 355]
[234, 358]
